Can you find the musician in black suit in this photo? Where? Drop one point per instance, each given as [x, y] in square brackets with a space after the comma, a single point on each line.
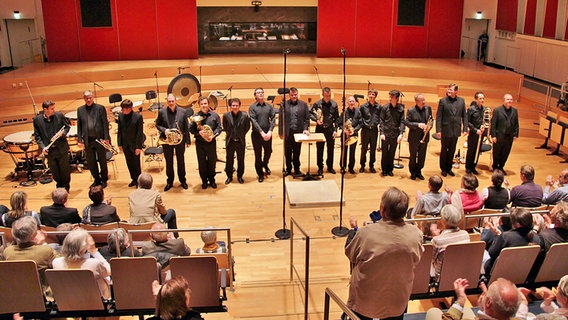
[236, 124]
[451, 122]
[172, 120]
[475, 121]
[92, 124]
[58, 212]
[419, 121]
[352, 115]
[262, 116]
[328, 110]
[370, 113]
[206, 142]
[391, 129]
[130, 139]
[504, 130]
[297, 120]
[46, 126]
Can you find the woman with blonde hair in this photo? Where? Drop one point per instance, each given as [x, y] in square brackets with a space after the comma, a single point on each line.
[19, 205]
[173, 301]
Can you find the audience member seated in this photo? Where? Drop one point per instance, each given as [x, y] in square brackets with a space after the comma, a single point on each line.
[3, 209]
[61, 237]
[560, 192]
[432, 201]
[521, 235]
[79, 252]
[58, 212]
[451, 233]
[146, 204]
[173, 301]
[561, 296]
[210, 243]
[164, 245]
[30, 246]
[500, 301]
[491, 229]
[496, 196]
[99, 212]
[558, 230]
[120, 236]
[467, 199]
[429, 229]
[19, 204]
[528, 194]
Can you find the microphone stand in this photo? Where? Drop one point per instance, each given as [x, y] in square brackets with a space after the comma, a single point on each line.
[340, 230]
[95, 85]
[158, 103]
[283, 233]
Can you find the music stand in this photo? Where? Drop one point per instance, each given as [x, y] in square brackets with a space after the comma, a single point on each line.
[309, 139]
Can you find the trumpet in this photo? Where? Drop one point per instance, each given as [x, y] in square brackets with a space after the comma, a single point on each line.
[58, 135]
[107, 146]
[429, 124]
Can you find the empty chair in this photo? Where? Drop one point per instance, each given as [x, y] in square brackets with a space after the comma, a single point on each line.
[421, 284]
[105, 229]
[126, 282]
[555, 264]
[137, 236]
[20, 288]
[114, 98]
[461, 260]
[514, 263]
[66, 284]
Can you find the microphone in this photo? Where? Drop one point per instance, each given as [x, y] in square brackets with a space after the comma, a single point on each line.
[155, 73]
[343, 51]
[230, 88]
[98, 85]
[316, 68]
[286, 51]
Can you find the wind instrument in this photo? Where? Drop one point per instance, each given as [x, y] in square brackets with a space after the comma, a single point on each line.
[319, 115]
[484, 125]
[429, 124]
[209, 134]
[173, 136]
[349, 130]
[55, 137]
[107, 146]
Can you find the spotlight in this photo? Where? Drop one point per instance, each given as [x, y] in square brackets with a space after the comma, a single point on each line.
[479, 15]
[17, 14]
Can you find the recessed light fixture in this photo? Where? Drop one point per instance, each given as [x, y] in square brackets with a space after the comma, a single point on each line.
[17, 14]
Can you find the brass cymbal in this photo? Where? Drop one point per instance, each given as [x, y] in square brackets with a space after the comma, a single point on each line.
[183, 86]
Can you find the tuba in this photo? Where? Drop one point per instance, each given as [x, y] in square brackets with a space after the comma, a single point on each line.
[173, 136]
[209, 134]
[349, 128]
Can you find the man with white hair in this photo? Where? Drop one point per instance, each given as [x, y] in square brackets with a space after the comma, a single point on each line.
[58, 212]
[560, 192]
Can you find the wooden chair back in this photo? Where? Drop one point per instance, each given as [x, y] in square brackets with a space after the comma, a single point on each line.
[100, 237]
[470, 223]
[8, 237]
[202, 274]
[50, 238]
[67, 284]
[421, 282]
[134, 275]
[461, 260]
[20, 287]
[138, 236]
[555, 264]
[225, 264]
[514, 263]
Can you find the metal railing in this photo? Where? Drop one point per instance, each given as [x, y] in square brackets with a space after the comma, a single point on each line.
[306, 281]
[330, 294]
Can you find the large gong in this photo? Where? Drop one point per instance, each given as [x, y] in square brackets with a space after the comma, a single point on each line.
[183, 86]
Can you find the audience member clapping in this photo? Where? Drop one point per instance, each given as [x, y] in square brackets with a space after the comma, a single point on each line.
[557, 232]
[100, 211]
[496, 196]
[173, 300]
[164, 245]
[467, 199]
[431, 202]
[560, 186]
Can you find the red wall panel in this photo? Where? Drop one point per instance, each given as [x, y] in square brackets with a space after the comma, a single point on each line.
[444, 28]
[530, 18]
[549, 30]
[99, 43]
[137, 29]
[337, 22]
[373, 31]
[61, 30]
[566, 33]
[177, 29]
[507, 15]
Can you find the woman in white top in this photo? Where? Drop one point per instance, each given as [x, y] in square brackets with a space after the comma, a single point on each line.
[79, 252]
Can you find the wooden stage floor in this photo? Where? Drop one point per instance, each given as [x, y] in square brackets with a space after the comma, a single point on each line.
[252, 210]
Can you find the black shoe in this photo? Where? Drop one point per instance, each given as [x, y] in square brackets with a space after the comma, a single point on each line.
[104, 184]
[444, 174]
[240, 180]
[351, 171]
[331, 170]
[474, 171]
[384, 173]
[298, 172]
[320, 172]
[373, 170]
[132, 183]
[168, 187]
[184, 185]
[362, 170]
[420, 176]
[268, 172]
[390, 173]
[287, 173]
[94, 184]
[204, 185]
[260, 179]
[451, 173]
[412, 177]
[213, 184]
[229, 180]
[467, 171]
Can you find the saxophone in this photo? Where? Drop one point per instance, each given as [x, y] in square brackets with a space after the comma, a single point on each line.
[209, 134]
[173, 136]
[349, 128]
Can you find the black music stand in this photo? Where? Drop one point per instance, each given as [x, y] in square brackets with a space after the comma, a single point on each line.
[309, 139]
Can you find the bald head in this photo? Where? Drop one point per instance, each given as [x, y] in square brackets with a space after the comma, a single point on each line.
[502, 299]
[159, 236]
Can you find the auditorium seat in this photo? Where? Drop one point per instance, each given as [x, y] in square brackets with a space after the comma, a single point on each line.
[75, 290]
[125, 282]
[461, 260]
[514, 263]
[137, 236]
[20, 288]
[100, 232]
[421, 285]
[555, 264]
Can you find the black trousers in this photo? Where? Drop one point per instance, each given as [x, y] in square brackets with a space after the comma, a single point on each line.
[259, 145]
[369, 142]
[473, 146]
[350, 152]
[501, 151]
[447, 153]
[329, 143]
[133, 163]
[292, 153]
[417, 157]
[59, 167]
[237, 147]
[179, 150]
[96, 156]
[388, 150]
[206, 159]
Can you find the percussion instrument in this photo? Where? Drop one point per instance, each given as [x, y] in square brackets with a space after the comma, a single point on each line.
[72, 140]
[72, 116]
[24, 151]
[183, 87]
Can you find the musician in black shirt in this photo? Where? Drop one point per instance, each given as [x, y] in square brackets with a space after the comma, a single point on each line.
[477, 129]
[419, 121]
[370, 111]
[325, 114]
[262, 116]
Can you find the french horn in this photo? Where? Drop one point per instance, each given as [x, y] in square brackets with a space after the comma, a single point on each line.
[173, 136]
[209, 134]
[349, 128]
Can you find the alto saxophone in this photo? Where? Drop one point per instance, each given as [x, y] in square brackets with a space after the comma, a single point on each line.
[208, 132]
